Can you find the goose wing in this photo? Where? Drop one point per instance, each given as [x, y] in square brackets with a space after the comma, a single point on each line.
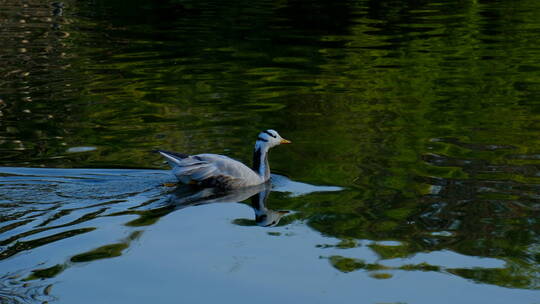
[211, 170]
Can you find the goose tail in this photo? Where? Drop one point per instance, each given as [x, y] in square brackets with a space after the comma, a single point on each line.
[173, 158]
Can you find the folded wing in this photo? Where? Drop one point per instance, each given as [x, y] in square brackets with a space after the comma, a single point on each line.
[211, 170]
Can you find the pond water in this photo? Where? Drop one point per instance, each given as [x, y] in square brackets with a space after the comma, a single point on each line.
[413, 177]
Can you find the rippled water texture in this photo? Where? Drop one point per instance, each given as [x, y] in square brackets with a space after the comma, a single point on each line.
[414, 176]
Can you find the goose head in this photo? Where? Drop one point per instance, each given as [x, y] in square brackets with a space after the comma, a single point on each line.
[269, 218]
[271, 138]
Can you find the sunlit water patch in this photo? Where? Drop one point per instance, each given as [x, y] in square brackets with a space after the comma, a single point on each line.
[54, 219]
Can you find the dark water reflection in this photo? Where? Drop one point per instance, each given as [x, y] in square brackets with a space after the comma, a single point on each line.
[426, 112]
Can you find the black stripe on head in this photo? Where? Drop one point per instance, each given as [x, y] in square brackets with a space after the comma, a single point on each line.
[269, 133]
[262, 139]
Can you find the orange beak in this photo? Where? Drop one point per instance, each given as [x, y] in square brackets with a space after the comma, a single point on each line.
[284, 141]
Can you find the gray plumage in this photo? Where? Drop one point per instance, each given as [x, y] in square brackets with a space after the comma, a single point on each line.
[214, 170]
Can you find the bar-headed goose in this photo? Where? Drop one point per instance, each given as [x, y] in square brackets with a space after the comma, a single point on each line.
[213, 170]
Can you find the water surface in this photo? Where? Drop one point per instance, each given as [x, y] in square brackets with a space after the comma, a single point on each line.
[424, 113]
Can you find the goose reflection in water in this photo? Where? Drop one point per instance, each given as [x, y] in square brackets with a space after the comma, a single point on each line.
[263, 216]
[184, 196]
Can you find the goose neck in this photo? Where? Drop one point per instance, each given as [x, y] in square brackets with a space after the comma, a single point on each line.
[260, 162]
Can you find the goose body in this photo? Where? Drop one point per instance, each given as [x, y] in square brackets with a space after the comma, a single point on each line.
[214, 170]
